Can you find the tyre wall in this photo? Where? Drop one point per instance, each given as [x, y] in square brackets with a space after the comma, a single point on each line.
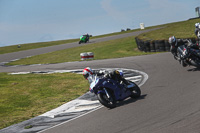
[154, 45]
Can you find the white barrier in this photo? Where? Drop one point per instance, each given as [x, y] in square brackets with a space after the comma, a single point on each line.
[87, 55]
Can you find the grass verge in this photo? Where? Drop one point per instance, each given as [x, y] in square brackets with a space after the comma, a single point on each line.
[110, 49]
[183, 29]
[14, 48]
[29, 95]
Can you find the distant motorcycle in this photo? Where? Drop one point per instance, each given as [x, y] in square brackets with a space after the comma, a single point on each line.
[109, 91]
[188, 55]
[84, 39]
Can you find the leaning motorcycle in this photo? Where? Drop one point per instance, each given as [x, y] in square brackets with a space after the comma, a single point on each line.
[109, 91]
[84, 39]
[188, 56]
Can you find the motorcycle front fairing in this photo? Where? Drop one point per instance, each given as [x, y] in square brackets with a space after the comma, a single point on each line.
[99, 84]
[181, 49]
[83, 38]
[118, 89]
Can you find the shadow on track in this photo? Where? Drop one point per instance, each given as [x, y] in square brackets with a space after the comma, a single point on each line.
[194, 69]
[130, 100]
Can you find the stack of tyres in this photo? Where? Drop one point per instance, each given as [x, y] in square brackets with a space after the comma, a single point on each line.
[139, 44]
[155, 45]
[159, 46]
[147, 46]
[167, 45]
[152, 46]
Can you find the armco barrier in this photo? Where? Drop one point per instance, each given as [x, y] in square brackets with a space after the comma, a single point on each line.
[155, 45]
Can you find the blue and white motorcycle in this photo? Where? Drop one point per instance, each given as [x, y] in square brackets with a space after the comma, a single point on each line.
[109, 91]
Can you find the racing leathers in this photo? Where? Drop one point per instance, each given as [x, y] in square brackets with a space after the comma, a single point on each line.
[175, 45]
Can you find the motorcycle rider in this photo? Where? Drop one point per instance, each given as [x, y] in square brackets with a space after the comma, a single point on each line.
[197, 31]
[90, 75]
[175, 43]
[87, 37]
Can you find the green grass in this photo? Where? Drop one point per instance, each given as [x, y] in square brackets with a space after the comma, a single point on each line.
[110, 49]
[184, 29]
[25, 96]
[14, 48]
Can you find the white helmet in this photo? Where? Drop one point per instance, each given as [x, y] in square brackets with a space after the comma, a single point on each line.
[197, 25]
[172, 39]
[87, 72]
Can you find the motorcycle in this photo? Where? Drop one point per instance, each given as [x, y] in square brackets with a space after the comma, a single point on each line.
[109, 91]
[84, 39]
[188, 56]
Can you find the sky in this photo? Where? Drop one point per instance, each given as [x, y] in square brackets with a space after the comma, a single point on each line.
[29, 21]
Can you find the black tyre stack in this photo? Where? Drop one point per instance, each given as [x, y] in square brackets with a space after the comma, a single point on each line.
[159, 45]
[167, 45]
[147, 46]
[154, 45]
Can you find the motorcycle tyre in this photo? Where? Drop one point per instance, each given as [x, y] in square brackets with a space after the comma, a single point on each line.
[136, 92]
[183, 63]
[104, 102]
[195, 64]
[79, 42]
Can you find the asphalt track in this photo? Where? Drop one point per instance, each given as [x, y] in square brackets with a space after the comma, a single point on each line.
[169, 102]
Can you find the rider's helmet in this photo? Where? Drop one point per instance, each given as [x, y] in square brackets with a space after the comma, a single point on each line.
[172, 40]
[197, 25]
[87, 72]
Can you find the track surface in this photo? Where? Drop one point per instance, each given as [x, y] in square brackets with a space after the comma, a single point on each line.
[169, 102]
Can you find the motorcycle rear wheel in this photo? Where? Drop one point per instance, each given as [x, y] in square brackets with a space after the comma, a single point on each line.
[107, 102]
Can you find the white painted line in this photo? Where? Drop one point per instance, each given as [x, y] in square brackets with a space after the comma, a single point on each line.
[134, 80]
[86, 103]
[71, 119]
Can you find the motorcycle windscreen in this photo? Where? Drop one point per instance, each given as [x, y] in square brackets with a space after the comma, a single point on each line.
[181, 49]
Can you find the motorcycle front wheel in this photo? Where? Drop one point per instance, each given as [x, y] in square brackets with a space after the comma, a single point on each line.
[136, 92]
[107, 102]
[183, 63]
